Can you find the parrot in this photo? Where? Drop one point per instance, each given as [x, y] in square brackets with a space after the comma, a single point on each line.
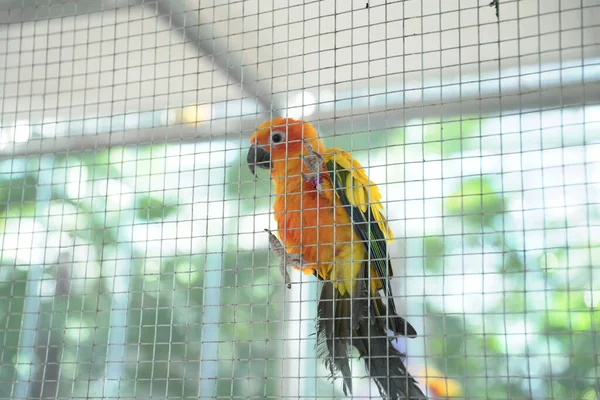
[331, 224]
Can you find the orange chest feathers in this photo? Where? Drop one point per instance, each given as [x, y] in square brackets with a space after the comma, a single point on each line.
[310, 223]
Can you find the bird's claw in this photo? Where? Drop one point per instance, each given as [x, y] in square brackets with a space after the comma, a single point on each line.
[314, 165]
[285, 259]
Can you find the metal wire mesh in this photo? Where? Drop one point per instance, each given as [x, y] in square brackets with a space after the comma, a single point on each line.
[134, 262]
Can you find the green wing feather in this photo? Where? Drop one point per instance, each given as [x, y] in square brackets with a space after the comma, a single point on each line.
[360, 198]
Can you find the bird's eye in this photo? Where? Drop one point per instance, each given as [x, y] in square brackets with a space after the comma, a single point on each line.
[276, 137]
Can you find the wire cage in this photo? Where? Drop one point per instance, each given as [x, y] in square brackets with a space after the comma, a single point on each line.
[134, 262]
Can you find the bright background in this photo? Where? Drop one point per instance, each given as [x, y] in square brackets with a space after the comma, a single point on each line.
[133, 258]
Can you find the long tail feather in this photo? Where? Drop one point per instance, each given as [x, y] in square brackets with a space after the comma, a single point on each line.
[337, 318]
[385, 364]
[343, 320]
[396, 323]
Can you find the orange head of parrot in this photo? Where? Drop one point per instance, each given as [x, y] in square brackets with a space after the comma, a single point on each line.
[277, 144]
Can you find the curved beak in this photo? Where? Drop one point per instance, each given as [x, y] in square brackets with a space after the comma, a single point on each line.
[258, 157]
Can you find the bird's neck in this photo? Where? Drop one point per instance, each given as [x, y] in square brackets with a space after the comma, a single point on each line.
[287, 173]
[287, 176]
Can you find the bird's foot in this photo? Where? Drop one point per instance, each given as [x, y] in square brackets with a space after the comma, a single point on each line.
[314, 165]
[285, 259]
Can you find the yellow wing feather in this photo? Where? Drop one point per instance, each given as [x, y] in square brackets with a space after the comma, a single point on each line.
[361, 191]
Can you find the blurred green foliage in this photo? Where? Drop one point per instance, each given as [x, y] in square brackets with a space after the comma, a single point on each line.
[477, 202]
[16, 191]
[533, 335]
[151, 208]
[161, 347]
[536, 341]
[451, 139]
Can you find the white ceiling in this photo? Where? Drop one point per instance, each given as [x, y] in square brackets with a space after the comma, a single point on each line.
[103, 64]
[128, 60]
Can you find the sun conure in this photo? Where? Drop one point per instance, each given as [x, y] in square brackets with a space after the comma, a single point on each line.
[330, 220]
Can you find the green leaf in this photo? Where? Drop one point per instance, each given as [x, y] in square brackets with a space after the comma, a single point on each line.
[590, 394]
[512, 262]
[448, 333]
[434, 251]
[98, 164]
[477, 201]
[17, 192]
[150, 208]
[449, 138]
